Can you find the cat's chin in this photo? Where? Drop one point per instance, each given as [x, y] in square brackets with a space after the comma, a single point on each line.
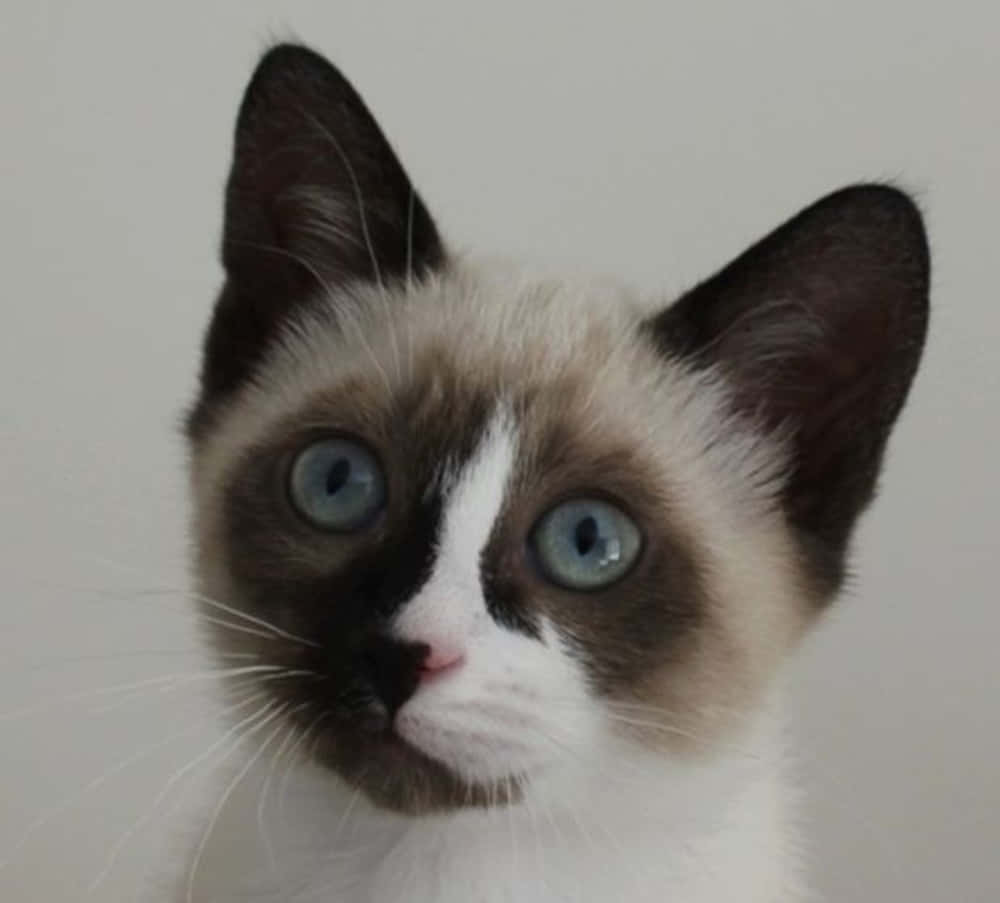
[397, 775]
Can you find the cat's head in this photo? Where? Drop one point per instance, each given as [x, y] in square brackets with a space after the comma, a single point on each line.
[489, 526]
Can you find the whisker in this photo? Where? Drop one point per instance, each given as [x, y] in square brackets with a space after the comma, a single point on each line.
[26, 666]
[178, 678]
[142, 694]
[625, 717]
[539, 854]
[282, 788]
[48, 815]
[177, 776]
[239, 628]
[253, 619]
[559, 836]
[348, 809]
[262, 829]
[653, 725]
[203, 843]
[214, 603]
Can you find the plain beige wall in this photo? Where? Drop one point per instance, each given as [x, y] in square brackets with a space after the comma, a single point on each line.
[652, 141]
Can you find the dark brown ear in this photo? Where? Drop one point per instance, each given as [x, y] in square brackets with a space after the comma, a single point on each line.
[818, 329]
[316, 198]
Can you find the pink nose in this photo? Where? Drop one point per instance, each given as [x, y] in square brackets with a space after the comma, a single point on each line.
[440, 659]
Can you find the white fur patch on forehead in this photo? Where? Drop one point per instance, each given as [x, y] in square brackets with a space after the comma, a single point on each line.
[449, 608]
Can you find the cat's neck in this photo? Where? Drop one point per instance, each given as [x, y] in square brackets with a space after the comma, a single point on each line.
[708, 833]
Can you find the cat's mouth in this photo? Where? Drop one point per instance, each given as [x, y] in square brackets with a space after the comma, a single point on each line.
[398, 772]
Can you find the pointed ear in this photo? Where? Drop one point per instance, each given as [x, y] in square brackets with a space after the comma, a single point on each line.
[316, 198]
[818, 330]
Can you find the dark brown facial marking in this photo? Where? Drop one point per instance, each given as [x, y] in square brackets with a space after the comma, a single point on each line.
[639, 623]
[340, 591]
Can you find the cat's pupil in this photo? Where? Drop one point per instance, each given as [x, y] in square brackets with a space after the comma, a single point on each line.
[337, 476]
[585, 535]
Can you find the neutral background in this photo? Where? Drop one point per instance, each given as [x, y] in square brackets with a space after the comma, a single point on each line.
[651, 141]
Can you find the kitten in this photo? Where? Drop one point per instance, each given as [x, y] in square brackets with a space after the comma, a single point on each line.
[519, 560]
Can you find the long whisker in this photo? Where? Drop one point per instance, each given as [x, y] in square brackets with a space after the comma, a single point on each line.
[178, 678]
[560, 836]
[48, 815]
[267, 625]
[668, 727]
[282, 788]
[539, 850]
[229, 609]
[177, 776]
[239, 628]
[143, 693]
[207, 600]
[28, 666]
[654, 725]
[217, 812]
[348, 809]
[262, 829]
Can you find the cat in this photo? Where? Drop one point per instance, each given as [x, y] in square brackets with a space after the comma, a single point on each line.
[517, 561]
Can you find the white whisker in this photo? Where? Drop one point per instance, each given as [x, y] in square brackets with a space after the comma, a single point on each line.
[177, 776]
[253, 619]
[239, 628]
[48, 815]
[151, 683]
[273, 630]
[282, 789]
[217, 812]
[28, 666]
[262, 828]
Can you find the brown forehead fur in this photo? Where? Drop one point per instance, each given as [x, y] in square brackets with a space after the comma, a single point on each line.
[597, 410]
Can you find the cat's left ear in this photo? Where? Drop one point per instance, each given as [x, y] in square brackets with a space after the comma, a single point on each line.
[316, 199]
[818, 330]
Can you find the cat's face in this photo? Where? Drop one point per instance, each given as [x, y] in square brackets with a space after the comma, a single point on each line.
[493, 529]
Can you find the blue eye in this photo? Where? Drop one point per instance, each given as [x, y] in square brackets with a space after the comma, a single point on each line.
[586, 544]
[337, 485]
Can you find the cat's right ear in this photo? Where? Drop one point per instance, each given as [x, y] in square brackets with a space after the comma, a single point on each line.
[818, 330]
[316, 198]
